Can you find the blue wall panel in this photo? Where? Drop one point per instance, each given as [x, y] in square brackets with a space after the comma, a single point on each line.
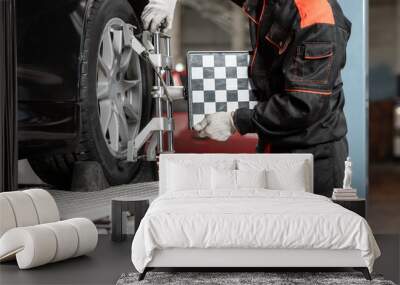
[356, 90]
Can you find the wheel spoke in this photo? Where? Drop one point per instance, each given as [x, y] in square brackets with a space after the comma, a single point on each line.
[125, 59]
[129, 84]
[113, 131]
[103, 67]
[103, 91]
[105, 115]
[123, 124]
[117, 41]
[131, 112]
[108, 49]
[124, 133]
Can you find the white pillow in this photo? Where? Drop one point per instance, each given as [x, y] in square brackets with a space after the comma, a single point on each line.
[294, 180]
[183, 177]
[188, 175]
[223, 179]
[251, 179]
[281, 174]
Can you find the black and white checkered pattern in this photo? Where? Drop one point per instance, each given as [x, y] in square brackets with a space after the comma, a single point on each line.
[218, 82]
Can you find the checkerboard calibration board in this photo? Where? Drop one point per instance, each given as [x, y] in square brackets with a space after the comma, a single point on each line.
[218, 82]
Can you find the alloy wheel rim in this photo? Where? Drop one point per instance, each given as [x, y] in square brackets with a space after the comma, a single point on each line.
[119, 89]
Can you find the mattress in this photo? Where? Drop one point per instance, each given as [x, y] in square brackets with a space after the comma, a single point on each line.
[250, 219]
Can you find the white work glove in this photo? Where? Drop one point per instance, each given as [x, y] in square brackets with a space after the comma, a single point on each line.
[218, 126]
[156, 12]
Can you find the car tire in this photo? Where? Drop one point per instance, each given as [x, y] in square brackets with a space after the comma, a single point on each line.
[57, 169]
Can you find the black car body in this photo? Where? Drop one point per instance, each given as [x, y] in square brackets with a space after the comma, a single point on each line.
[51, 39]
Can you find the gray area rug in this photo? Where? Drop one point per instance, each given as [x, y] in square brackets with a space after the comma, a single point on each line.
[244, 278]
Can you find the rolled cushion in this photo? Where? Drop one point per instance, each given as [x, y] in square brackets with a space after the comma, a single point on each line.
[87, 234]
[23, 208]
[33, 246]
[26, 208]
[67, 240]
[37, 245]
[7, 218]
[46, 207]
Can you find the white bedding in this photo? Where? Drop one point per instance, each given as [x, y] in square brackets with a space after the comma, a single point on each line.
[251, 218]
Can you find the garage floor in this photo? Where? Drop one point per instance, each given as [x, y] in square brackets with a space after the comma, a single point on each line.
[97, 205]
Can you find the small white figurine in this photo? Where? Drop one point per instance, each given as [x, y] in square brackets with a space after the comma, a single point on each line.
[348, 173]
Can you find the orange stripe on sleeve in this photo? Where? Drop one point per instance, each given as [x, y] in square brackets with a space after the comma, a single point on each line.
[322, 93]
[315, 12]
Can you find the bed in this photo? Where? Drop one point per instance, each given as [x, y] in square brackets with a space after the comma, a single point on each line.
[247, 211]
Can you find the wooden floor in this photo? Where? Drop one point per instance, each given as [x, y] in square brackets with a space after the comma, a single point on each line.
[383, 209]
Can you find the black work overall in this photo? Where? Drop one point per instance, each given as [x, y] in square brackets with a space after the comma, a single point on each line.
[299, 52]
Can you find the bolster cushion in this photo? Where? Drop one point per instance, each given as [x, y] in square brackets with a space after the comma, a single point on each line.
[37, 245]
[7, 218]
[26, 208]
